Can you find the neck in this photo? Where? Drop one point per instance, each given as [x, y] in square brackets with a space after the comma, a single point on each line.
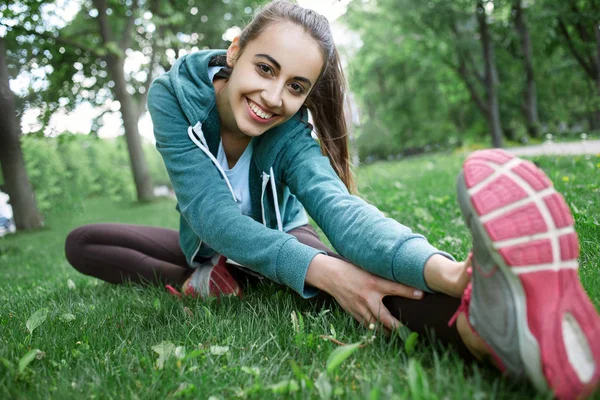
[234, 146]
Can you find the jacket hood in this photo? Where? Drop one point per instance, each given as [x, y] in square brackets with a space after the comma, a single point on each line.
[191, 83]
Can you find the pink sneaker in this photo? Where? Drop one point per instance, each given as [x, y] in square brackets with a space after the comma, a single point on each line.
[210, 280]
[525, 299]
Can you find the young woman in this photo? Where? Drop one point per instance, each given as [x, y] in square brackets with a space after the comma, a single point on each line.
[232, 128]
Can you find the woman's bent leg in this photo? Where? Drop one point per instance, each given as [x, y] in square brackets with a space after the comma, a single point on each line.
[430, 314]
[117, 253]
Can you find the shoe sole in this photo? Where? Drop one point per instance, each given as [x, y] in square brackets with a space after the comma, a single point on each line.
[529, 233]
[214, 281]
[222, 283]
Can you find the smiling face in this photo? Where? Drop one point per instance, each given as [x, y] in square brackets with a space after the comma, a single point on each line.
[270, 80]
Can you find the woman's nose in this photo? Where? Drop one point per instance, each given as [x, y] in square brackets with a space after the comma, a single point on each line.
[272, 95]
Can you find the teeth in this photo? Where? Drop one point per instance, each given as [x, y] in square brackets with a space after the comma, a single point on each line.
[257, 110]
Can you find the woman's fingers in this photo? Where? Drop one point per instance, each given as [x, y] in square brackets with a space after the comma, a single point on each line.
[383, 315]
[364, 317]
[389, 288]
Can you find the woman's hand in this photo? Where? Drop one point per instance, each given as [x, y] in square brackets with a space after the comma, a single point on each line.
[358, 292]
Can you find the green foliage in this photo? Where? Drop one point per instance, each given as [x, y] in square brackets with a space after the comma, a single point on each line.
[65, 170]
[406, 72]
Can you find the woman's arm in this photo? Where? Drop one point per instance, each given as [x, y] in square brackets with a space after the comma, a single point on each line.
[357, 291]
[357, 230]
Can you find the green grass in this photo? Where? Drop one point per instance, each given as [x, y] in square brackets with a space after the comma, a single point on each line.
[106, 351]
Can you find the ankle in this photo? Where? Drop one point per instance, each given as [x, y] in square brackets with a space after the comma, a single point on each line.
[472, 341]
[443, 275]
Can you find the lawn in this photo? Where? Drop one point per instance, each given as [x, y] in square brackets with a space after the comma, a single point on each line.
[105, 341]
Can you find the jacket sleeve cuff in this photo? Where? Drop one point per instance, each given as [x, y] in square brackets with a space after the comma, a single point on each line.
[292, 264]
[408, 264]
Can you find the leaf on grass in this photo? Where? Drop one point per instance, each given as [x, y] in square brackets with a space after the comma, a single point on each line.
[67, 317]
[28, 358]
[375, 394]
[219, 350]
[323, 386]
[417, 381]
[284, 387]
[410, 343]
[70, 284]
[36, 319]
[295, 322]
[194, 354]
[339, 355]
[164, 350]
[301, 376]
[7, 364]
[332, 330]
[422, 214]
[255, 371]
[403, 332]
[184, 390]
[179, 352]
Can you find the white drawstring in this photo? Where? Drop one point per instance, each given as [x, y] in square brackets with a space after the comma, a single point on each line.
[274, 190]
[265, 180]
[197, 129]
[265, 177]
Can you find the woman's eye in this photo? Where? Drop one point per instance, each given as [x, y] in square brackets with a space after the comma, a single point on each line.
[265, 69]
[297, 88]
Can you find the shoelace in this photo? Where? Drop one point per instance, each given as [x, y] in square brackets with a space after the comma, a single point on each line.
[465, 301]
[172, 291]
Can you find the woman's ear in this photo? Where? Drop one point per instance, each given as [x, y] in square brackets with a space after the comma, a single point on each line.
[233, 51]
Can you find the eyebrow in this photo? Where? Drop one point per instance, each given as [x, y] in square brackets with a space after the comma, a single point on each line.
[278, 66]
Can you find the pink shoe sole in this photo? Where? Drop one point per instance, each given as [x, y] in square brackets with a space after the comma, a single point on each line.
[533, 243]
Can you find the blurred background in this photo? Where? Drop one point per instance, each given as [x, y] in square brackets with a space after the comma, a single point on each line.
[424, 76]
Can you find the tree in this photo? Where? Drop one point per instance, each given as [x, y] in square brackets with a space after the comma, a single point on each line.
[428, 40]
[19, 189]
[529, 106]
[579, 25]
[88, 57]
[130, 111]
[491, 108]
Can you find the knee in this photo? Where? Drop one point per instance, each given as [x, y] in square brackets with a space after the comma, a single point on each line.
[75, 245]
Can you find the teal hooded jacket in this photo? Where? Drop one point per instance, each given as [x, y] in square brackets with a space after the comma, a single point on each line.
[288, 175]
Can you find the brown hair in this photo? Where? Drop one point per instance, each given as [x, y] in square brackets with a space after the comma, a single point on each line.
[326, 100]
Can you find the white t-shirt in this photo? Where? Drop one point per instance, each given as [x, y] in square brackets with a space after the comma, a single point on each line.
[238, 175]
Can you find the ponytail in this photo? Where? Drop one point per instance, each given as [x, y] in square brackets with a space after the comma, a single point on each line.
[326, 105]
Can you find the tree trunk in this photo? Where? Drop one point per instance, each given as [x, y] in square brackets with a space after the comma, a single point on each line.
[129, 112]
[596, 124]
[22, 198]
[493, 114]
[130, 117]
[530, 110]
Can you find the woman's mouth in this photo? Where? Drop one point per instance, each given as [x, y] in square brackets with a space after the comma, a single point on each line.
[257, 113]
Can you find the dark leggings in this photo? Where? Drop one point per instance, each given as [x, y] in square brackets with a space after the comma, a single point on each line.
[117, 253]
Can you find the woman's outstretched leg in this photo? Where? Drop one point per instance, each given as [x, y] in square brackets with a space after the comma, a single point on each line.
[525, 300]
[117, 253]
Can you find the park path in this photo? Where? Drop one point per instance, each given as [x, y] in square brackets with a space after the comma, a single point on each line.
[561, 149]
